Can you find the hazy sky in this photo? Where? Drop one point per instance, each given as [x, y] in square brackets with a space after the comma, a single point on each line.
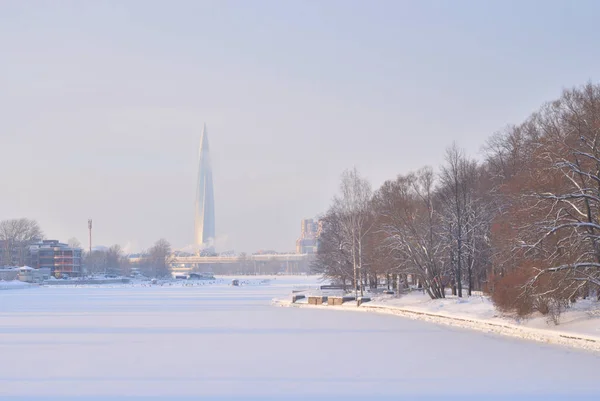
[102, 103]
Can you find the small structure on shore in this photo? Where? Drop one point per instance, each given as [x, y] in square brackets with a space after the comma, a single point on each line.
[201, 276]
[30, 275]
[340, 300]
[317, 300]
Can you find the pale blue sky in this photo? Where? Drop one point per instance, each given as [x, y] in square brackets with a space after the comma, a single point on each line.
[102, 103]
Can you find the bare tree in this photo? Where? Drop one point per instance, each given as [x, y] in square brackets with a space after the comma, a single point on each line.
[160, 257]
[114, 258]
[510, 157]
[74, 243]
[549, 249]
[354, 208]
[458, 181]
[16, 235]
[96, 262]
[333, 260]
[124, 266]
[565, 200]
[412, 226]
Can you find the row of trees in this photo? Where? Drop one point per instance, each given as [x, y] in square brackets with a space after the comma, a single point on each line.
[106, 261]
[523, 224]
[155, 262]
[433, 227]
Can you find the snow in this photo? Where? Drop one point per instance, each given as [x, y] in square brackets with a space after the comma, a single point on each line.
[579, 327]
[217, 342]
[583, 318]
[13, 285]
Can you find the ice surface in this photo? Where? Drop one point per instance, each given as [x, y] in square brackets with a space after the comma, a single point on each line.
[13, 285]
[223, 342]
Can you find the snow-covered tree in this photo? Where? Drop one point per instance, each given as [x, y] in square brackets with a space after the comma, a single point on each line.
[412, 225]
[353, 208]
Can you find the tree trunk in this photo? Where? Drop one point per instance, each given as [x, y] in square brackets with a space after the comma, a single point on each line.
[470, 274]
[360, 266]
[459, 265]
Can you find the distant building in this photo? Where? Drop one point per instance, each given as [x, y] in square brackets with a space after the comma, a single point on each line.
[205, 202]
[307, 243]
[60, 258]
[14, 253]
[31, 275]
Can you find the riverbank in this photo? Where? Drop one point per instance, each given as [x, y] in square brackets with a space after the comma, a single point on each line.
[580, 327]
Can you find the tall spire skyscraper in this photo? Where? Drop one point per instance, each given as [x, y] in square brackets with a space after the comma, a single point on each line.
[205, 202]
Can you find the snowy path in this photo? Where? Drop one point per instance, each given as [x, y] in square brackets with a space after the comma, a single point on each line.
[222, 342]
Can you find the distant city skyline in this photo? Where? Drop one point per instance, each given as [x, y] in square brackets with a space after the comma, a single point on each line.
[102, 103]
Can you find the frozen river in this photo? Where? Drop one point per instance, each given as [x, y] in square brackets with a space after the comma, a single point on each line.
[221, 342]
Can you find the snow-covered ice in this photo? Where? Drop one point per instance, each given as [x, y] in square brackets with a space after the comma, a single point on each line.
[13, 285]
[224, 342]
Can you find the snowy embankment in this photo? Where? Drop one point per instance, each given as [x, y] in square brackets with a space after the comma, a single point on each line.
[579, 327]
[14, 285]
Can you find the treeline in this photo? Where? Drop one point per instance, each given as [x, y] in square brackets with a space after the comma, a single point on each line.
[154, 262]
[523, 225]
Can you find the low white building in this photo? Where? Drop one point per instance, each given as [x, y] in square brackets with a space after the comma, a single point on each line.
[31, 275]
